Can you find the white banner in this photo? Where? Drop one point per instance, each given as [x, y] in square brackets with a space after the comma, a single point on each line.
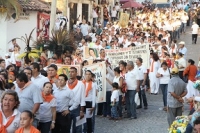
[128, 54]
[99, 69]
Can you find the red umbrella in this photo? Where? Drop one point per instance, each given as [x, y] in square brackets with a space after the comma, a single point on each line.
[131, 4]
[123, 1]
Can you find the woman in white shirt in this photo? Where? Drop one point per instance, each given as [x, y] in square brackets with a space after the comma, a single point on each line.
[164, 75]
[119, 79]
[154, 82]
[47, 110]
[9, 115]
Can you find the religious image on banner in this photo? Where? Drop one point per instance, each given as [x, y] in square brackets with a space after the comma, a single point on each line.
[99, 69]
[64, 69]
[124, 19]
[90, 54]
[43, 23]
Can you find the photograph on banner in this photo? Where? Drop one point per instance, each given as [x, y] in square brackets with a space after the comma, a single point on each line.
[99, 69]
[90, 53]
[64, 69]
[129, 54]
[124, 20]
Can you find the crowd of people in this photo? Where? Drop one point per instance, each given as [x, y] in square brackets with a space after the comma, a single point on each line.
[34, 98]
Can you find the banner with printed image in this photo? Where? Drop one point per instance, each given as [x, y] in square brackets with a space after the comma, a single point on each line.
[64, 69]
[129, 54]
[124, 19]
[90, 54]
[99, 69]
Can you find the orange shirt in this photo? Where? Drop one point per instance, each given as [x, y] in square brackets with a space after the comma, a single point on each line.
[191, 71]
[32, 130]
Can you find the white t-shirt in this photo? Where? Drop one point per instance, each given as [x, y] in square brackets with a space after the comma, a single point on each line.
[45, 110]
[131, 78]
[166, 75]
[141, 71]
[113, 13]
[195, 29]
[115, 95]
[116, 80]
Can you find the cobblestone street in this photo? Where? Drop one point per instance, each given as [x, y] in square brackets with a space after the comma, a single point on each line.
[152, 120]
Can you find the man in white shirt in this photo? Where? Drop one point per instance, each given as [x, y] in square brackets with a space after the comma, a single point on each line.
[113, 14]
[37, 78]
[14, 43]
[84, 29]
[142, 77]
[131, 81]
[195, 30]
[63, 96]
[182, 49]
[79, 97]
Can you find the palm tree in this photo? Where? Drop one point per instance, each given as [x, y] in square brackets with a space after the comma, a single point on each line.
[8, 7]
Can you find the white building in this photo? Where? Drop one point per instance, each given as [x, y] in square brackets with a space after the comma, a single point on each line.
[27, 21]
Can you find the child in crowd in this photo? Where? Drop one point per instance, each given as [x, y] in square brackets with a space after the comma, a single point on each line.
[26, 120]
[114, 101]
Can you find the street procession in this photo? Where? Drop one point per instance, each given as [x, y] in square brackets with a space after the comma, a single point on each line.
[99, 66]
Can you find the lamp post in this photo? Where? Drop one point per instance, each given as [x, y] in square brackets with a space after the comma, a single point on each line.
[53, 15]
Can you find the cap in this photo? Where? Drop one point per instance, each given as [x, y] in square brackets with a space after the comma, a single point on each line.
[174, 71]
[182, 42]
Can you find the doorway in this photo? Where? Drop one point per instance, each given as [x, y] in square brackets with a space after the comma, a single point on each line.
[73, 14]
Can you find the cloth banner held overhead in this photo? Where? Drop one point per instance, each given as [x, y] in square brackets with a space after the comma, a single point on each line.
[124, 19]
[129, 54]
[99, 69]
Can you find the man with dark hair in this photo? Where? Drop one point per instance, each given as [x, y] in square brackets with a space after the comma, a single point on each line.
[29, 96]
[14, 43]
[142, 77]
[63, 96]
[28, 72]
[79, 96]
[2, 64]
[68, 60]
[197, 125]
[37, 78]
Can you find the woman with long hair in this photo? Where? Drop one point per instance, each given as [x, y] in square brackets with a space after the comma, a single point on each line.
[164, 75]
[154, 82]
